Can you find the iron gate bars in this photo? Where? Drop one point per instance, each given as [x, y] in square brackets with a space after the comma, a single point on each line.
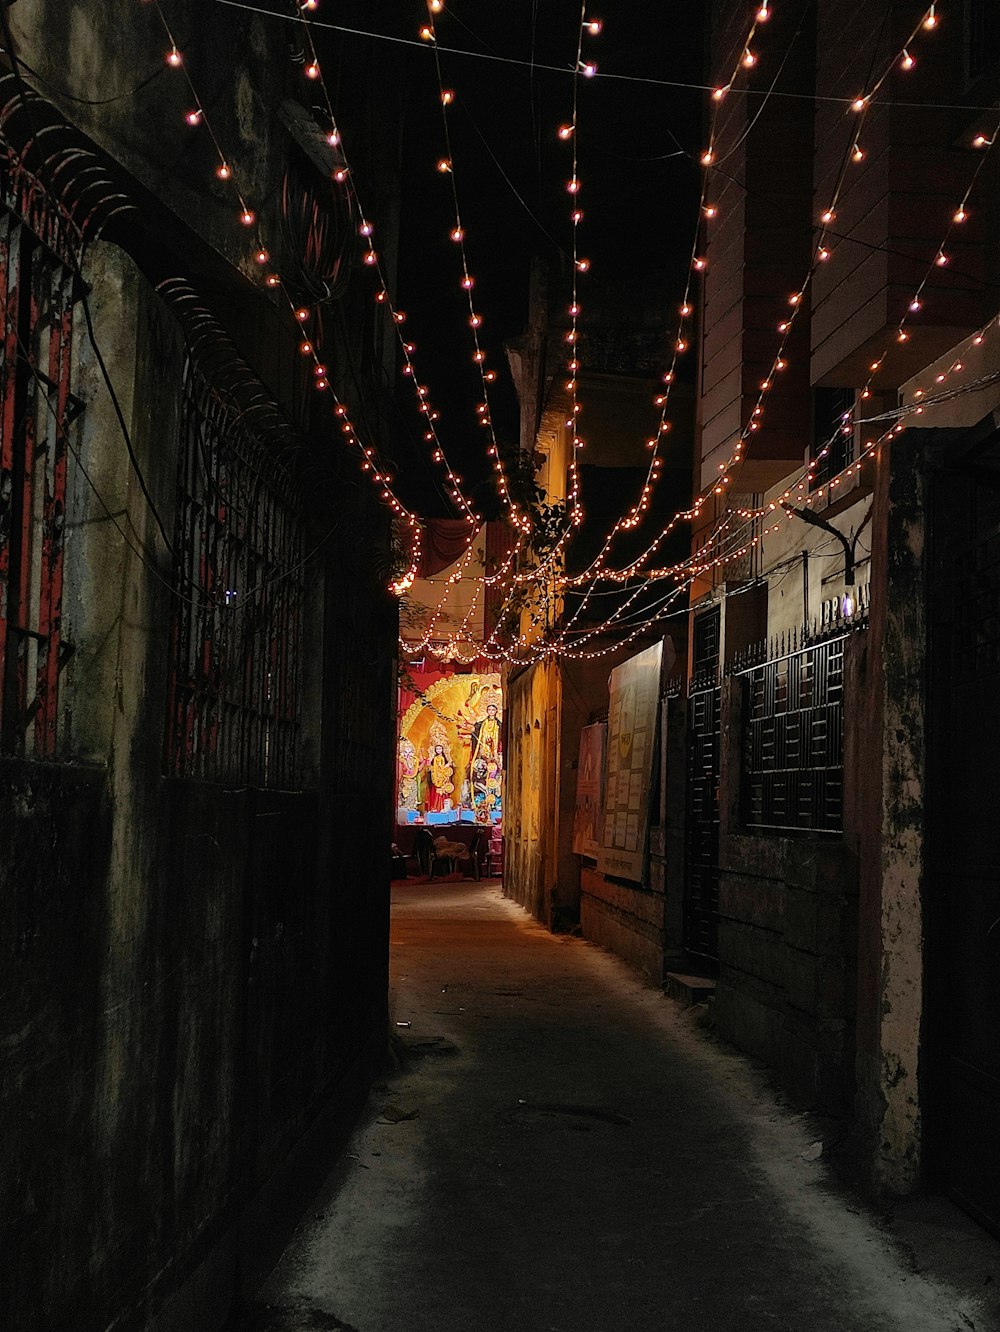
[234, 691]
[793, 740]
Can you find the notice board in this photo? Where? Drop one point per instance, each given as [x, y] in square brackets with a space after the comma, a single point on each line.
[632, 715]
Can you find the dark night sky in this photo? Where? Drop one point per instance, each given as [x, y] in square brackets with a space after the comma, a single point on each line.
[635, 143]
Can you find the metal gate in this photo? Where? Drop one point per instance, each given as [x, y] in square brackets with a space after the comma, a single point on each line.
[963, 928]
[701, 852]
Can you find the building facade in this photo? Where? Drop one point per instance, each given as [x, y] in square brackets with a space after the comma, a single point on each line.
[195, 945]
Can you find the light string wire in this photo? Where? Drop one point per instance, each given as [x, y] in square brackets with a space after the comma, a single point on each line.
[457, 234]
[248, 218]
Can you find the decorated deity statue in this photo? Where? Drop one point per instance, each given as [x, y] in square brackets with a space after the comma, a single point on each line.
[409, 791]
[440, 774]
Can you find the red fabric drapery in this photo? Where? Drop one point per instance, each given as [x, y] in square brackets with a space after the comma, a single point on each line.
[443, 541]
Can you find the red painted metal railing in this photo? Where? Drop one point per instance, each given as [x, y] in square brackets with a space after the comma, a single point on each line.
[36, 408]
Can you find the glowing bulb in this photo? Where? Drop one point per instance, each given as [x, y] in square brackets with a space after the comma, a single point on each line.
[859, 103]
[312, 70]
[222, 171]
[941, 259]
[827, 216]
[710, 210]
[960, 215]
[902, 336]
[719, 93]
[261, 256]
[707, 157]
[749, 59]
[444, 165]
[822, 254]
[576, 216]
[916, 305]
[457, 235]
[447, 96]
[273, 280]
[588, 71]
[573, 186]
[931, 20]
[193, 117]
[582, 265]
[305, 348]
[980, 141]
[468, 283]
[763, 14]
[857, 153]
[700, 264]
[475, 321]
[174, 57]
[340, 175]
[426, 34]
[594, 27]
[370, 258]
[247, 217]
[435, 6]
[907, 61]
[333, 138]
[685, 310]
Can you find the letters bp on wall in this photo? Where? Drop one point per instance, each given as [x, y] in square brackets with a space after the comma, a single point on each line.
[631, 746]
[587, 822]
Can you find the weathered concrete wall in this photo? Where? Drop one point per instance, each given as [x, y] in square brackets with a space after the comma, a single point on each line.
[625, 917]
[891, 969]
[156, 1078]
[193, 975]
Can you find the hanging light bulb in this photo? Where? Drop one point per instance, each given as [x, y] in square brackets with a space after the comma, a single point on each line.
[312, 70]
[174, 58]
[906, 61]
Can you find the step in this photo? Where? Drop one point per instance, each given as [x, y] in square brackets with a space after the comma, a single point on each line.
[688, 989]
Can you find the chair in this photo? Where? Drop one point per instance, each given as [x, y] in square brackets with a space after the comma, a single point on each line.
[423, 849]
[476, 852]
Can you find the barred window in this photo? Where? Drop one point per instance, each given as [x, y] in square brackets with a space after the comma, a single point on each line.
[234, 691]
[793, 740]
[36, 408]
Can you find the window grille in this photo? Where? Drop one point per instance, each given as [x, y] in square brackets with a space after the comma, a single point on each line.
[705, 647]
[36, 409]
[832, 449]
[793, 740]
[234, 696]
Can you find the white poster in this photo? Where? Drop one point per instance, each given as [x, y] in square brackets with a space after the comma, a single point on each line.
[632, 714]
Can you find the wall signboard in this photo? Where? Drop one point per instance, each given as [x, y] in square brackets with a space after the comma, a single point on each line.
[632, 715]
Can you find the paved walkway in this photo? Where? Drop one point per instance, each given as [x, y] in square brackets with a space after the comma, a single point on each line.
[564, 1150]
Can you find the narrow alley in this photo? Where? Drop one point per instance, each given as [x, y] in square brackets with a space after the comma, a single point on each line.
[564, 1149]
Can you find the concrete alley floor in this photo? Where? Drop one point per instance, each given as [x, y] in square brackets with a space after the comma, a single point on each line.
[564, 1150]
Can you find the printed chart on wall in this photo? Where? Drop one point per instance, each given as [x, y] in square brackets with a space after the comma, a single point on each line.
[635, 692]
